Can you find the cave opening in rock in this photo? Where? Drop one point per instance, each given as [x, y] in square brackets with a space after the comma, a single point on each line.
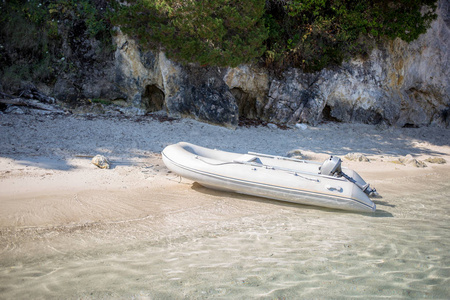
[327, 116]
[246, 104]
[153, 98]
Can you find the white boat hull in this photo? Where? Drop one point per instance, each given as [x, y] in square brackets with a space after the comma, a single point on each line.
[265, 176]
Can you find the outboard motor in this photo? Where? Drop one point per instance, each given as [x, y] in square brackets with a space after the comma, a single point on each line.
[331, 166]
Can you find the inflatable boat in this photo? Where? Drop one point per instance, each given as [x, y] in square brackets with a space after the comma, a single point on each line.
[325, 184]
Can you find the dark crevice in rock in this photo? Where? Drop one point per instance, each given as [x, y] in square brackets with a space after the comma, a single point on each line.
[409, 125]
[445, 116]
[327, 115]
[368, 116]
[246, 104]
[153, 98]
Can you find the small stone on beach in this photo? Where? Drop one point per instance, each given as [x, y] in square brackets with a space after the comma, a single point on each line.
[410, 160]
[297, 154]
[357, 157]
[436, 160]
[301, 126]
[101, 161]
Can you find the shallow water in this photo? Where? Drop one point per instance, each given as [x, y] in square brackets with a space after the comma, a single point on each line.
[240, 247]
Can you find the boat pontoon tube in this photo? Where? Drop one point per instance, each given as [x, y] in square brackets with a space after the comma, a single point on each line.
[275, 177]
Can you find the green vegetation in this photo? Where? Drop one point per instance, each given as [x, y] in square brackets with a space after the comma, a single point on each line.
[40, 39]
[24, 48]
[35, 37]
[101, 101]
[310, 34]
[313, 34]
[219, 32]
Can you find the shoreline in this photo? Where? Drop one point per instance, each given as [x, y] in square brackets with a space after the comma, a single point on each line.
[45, 162]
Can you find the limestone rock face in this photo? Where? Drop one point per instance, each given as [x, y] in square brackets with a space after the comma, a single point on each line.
[152, 82]
[419, 73]
[89, 68]
[249, 86]
[137, 74]
[198, 92]
[290, 98]
[399, 84]
[357, 93]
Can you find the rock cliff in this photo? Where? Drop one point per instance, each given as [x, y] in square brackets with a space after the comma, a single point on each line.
[399, 84]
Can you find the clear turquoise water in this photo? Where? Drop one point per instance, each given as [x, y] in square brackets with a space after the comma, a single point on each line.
[238, 247]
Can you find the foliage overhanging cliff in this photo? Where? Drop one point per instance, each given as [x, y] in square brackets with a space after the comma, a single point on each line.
[41, 40]
[149, 55]
[307, 34]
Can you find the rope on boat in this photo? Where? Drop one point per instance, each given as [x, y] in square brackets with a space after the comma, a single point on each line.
[214, 164]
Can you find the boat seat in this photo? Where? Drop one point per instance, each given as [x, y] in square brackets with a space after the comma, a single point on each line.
[247, 158]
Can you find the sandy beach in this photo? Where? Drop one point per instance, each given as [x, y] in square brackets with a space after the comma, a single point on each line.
[58, 209]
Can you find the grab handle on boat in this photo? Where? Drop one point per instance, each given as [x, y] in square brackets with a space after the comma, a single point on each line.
[334, 188]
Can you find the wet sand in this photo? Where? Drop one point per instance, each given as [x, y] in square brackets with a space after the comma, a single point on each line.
[71, 230]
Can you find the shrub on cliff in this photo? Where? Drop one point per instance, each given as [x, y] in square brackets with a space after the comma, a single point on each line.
[217, 32]
[313, 34]
[40, 39]
[310, 34]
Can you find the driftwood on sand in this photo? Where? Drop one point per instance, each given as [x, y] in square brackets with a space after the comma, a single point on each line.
[31, 99]
[31, 104]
